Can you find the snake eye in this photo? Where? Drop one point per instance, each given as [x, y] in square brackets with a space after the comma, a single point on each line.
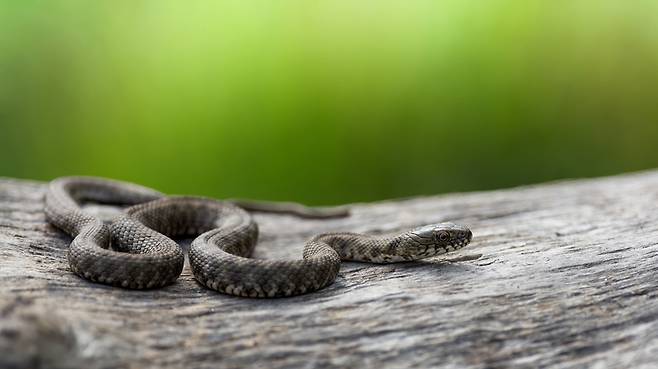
[442, 236]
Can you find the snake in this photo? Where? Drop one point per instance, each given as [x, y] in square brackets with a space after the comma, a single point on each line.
[136, 249]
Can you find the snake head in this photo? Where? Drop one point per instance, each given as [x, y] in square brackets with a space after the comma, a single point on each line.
[435, 239]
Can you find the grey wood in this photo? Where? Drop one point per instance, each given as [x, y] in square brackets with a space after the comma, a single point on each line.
[567, 279]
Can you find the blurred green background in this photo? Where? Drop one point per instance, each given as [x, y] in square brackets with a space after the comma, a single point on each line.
[327, 102]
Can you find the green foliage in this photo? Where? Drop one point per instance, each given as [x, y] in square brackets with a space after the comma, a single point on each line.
[327, 101]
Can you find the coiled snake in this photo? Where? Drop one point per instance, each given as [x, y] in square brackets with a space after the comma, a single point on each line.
[144, 256]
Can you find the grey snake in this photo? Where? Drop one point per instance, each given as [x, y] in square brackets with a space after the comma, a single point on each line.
[136, 249]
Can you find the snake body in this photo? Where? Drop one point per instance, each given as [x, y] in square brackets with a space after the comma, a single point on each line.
[137, 251]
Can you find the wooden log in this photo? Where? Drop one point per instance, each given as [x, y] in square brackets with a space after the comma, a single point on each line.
[567, 279]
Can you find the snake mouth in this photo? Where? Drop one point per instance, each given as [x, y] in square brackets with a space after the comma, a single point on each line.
[463, 240]
[466, 240]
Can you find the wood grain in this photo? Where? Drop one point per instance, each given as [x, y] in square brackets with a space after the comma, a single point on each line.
[568, 278]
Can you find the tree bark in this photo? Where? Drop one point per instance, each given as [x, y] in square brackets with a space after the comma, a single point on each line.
[567, 279]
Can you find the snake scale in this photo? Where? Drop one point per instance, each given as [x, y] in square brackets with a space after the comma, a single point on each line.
[136, 250]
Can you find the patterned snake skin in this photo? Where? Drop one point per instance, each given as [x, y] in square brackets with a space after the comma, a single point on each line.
[144, 256]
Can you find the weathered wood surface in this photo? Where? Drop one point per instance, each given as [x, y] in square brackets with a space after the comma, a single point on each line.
[568, 279]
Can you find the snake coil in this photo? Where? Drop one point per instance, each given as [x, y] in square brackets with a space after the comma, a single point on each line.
[137, 251]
